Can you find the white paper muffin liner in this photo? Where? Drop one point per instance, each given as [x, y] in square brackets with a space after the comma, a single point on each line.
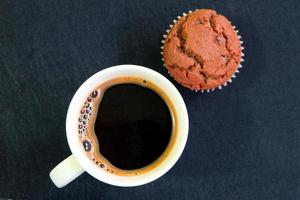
[233, 75]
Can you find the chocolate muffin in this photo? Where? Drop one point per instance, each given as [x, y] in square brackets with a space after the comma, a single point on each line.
[202, 51]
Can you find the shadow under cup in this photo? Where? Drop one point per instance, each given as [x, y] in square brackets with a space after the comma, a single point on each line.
[92, 114]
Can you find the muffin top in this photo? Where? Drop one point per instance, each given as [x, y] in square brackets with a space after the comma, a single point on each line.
[202, 50]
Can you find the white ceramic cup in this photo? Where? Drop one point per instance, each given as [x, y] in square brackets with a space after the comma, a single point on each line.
[78, 162]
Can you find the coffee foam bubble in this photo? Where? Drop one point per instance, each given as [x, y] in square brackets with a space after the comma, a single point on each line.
[86, 120]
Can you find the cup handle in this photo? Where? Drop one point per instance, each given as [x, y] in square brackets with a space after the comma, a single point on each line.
[66, 171]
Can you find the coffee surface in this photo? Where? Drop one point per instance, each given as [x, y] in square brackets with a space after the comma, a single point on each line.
[127, 126]
[133, 126]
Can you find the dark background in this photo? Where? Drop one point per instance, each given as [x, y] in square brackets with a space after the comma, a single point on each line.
[243, 140]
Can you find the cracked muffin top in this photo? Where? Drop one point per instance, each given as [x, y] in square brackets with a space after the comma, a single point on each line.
[202, 50]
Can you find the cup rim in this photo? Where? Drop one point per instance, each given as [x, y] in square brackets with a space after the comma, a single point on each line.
[108, 74]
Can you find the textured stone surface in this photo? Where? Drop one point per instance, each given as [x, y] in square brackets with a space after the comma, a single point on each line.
[243, 140]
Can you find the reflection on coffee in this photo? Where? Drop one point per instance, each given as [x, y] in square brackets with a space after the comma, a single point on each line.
[127, 125]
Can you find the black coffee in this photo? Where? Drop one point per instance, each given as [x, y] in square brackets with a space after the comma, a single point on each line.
[133, 126]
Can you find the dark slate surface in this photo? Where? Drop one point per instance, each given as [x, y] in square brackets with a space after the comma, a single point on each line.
[243, 142]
